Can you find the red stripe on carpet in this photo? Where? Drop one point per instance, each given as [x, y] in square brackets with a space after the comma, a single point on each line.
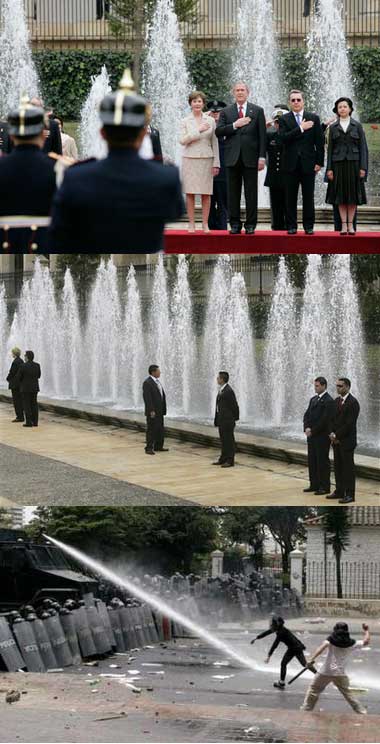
[266, 241]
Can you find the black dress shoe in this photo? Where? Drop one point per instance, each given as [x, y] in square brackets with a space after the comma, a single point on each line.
[347, 500]
[292, 231]
[311, 489]
[217, 462]
[149, 452]
[29, 426]
[17, 421]
[249, 230]
[227, 465]
[334, 495]
[321, 492]
[235, 230]
[309, 231]
[163, 449]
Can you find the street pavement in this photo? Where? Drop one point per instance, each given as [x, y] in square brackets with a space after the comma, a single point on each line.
[186, 691]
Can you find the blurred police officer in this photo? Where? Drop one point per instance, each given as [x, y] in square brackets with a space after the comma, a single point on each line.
[119, 204]
[218, 216]
[275, 176]
[27, 179]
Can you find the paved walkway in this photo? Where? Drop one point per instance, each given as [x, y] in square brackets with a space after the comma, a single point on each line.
[65, 461]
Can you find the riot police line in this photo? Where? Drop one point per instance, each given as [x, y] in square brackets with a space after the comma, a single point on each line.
[53, 637]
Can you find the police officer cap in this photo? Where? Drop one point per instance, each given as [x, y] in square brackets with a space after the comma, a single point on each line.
[125, 108]
[26, 120]
[216, 106]
[277, 113]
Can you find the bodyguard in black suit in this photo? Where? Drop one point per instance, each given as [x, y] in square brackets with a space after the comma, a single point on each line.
[316, 424]
[14, 385]
[28, 376]
[27, 179]
[303, 139]
[275, 176]
[242, 124]
[218, 216]
[155, 410]
[226, 415]
[120, 203]
[343, 437]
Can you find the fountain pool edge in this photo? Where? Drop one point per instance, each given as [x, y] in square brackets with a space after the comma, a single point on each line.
[367, 467]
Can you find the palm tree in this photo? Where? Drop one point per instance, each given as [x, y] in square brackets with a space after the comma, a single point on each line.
[337, 527]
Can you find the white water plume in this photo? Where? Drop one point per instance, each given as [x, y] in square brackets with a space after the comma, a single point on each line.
[155, 602]
[92, 144]
[18, 73]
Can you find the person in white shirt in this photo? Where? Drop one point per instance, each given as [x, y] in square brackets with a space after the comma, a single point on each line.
[339, 646]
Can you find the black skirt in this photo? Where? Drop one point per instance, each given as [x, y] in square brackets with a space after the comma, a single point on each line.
[347, 186]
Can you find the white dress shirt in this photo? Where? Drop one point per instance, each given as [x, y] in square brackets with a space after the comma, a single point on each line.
[300, 114]
[345, 123]
[157, 381]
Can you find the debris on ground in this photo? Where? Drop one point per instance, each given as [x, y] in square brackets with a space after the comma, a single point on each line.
[12, 696]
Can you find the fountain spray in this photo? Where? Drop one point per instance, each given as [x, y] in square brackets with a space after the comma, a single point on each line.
[155, 603]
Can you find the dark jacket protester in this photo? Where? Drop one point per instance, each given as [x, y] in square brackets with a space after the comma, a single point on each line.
[226, 415]
[317, 417]
[295, 647]
[14, 385]
[155, 410]
[28, 377]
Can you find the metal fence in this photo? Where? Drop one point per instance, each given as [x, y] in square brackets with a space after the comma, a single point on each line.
[360, 579]
[85, 23]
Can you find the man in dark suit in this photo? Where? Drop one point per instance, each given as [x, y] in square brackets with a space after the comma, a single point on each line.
[316, 424]
[243, 126]
[219, 202]
[155, 410]
[343, 437]
[28, 376]
[14, 385]
[302, 135]
[120, 203]
[27, 179]
[226, 415]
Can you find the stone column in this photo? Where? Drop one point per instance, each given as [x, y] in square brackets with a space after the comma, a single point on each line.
[217, 563]
[296, 566]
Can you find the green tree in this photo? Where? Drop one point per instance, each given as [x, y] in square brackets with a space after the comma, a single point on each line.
[133, 17]
[366, 270]
[337, 526]
[83, 268]
[243, 525]
[5, 518]
[286, 527]
[156, 536]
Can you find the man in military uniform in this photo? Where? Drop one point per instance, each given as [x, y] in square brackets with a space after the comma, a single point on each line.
[119, 204]
[275, 176]
[218, 210]
[27, 181]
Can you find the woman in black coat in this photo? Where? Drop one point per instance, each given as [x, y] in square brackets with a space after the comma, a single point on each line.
[347, 164]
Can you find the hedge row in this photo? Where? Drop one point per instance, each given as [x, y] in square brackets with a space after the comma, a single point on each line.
[66, 76]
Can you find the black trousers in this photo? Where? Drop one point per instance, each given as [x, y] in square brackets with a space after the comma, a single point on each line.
[218, 210]
[278, 208]
[227, 439]
[30, 408]
[236, 175]
[344, 468]
[154, 432]
[293, 181]
[17, 403]
[318, 449]
[287, 657]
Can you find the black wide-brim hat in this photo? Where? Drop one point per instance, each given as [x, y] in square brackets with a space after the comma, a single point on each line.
[340, 100]
[215, 106]
[26, 120]
[341, 636]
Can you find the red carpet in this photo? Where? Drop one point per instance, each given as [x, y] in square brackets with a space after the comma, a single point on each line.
[266, 241]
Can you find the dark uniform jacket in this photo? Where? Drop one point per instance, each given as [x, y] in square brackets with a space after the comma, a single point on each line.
[116, 205]
[349, 145]
[318, 415]
[156, 144]
[222, 175]
[28, 376]
[275, 160]
[249, 142]
[12, 378]
[283, 635]
[153, 399]
[344, 420]
[227, 409]
[302, 148]
[5, 140]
